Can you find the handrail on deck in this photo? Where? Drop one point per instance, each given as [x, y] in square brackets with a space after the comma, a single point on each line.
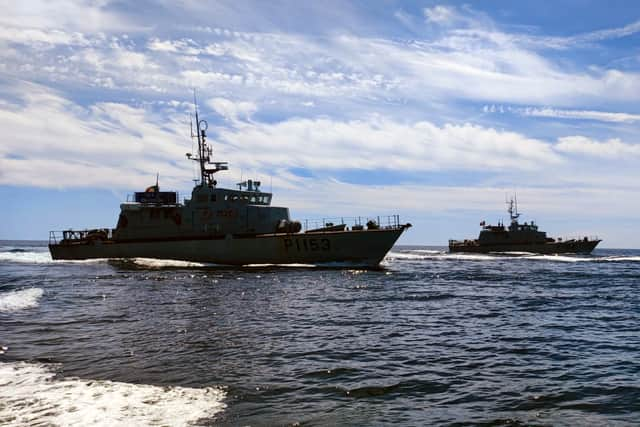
[57, 237]
[577, 238]
[355, 223]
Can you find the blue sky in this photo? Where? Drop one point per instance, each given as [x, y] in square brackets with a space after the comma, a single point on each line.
[433, 110]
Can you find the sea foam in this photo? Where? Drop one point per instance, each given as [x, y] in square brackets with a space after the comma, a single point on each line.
[437, 255]
[418, 255]
[26, 257]
[40, 257]
[32, 394]
[167, 263]
[20, 300]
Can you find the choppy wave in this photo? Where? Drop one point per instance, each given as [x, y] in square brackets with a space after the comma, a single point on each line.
[577, 258]
[29, 257]
[152, 263]
[293, 265]
[435, 255]
[167, 263]
[20, 300]
[32, 394]
[427, 251]
[421, 255]
[44, 257]
[39, 257]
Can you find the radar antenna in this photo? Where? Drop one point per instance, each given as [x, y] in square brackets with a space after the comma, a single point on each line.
[204, 151]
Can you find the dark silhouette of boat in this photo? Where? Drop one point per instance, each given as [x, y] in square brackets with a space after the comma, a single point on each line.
[520, 238]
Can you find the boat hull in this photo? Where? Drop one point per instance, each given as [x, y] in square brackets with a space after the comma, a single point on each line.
[366, 248]
[570, 246]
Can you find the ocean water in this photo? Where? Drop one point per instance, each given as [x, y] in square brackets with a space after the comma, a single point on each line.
[430, 339]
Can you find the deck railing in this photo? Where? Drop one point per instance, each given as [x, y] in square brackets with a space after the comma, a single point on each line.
[570, 238]
[353, 223]
[460, 242]
[56, 237]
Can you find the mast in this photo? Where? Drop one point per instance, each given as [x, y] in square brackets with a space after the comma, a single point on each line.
[204, 151]
[513, 209]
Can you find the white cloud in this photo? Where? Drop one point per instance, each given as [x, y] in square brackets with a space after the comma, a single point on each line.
[476, 27]
[203, 79]
[231, 110]
[35, 36]
[182, 47]
[603, 116]
[88, 16]
[439, 14]
[581, 39]
[135, 60]
[380, 143]
[611, 33]
[580, 114]
[469, 64]
[535, 201]
[108, 145]
[112, 139]
[106, 140]
[611, 149]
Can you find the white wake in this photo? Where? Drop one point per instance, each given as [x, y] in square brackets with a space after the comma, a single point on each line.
[423, 255]
[20, 300]
[31, 394]
[26, 257]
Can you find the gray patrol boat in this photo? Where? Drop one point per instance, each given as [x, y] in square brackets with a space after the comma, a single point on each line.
[520, 238]
[227, 226]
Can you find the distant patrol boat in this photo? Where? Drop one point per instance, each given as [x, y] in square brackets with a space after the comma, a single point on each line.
[520, 238]
[225, 226]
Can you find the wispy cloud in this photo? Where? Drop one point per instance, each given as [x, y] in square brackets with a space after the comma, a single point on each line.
[105, 145]
[610, 149]
[375, 143]
[581, 115]
[44, 37]
[182, 47]
[114, 139]
[474, 27]
[461, 65]
[440, 14]
[555, 113]
[232, 111]
[537, 201]
[91, 16]
[593, 36]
